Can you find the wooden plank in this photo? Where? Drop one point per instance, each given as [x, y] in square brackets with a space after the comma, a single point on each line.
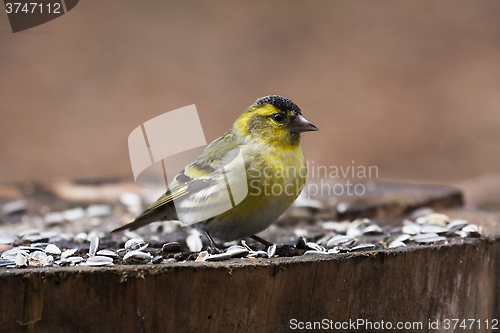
[460, 279]
[417, 285]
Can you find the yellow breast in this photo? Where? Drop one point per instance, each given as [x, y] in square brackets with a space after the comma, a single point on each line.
[275, 180]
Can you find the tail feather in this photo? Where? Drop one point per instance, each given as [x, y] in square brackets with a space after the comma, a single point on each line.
[147, 217]
[135, 224]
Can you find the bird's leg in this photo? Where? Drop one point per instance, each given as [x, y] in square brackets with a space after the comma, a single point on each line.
[261, 240]
[213, 248]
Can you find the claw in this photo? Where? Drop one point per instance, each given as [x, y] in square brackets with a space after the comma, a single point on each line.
[213, 248]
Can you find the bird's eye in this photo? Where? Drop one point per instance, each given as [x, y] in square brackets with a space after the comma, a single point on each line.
[278, 117]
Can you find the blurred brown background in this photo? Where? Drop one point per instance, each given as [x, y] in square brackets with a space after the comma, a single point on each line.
[411, 87]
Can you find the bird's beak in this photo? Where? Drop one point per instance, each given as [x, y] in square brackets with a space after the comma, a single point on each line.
[301, 124]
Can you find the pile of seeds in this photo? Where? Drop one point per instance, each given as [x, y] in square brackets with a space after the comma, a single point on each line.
[35, 249]
[425, 227]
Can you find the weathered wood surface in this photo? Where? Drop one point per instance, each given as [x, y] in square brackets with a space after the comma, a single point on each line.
[457, 280]
[418, 285]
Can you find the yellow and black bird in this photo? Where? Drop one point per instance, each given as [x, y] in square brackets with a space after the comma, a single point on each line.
[259, 161]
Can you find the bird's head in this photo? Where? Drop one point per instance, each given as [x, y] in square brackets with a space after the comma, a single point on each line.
[274, 119]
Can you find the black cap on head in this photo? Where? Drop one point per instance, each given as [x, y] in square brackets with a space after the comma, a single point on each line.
[279, 102]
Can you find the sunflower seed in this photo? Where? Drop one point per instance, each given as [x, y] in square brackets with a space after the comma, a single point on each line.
[107, 253]
[136, 244]
[121, 252]
[74, 260]
[36, 239]
[301, 243]
[94, 245]
[61, 263]
[29, 232]
[157, 260]
[456, 225]
[341, 240]
[257, 254]
[271, 250]
[40, 246]
[433, 228]
[315, 247]
[315, 252]
[38, 259]
[137, 257]
[353, 232]
[171, 247]
[435, 218]
[391, 229]
[342, 249]
[218, 257]
[8, 256]
[311, 204]
[68, 253]
[360, 223]
[428, 238]
[99, 261]
[421, 212]
[52, 249]
[323, 240]
[8, 238]
[472, 230]
[80, 237]
[410, 227]
[363, 247]
[342, 207]
[396, 243]
[402, 238]
[21, 261]
[6, 262]
[74, 214]
[30, 248]
[53, 218]
[373, 229]
[237, 251]
[98, 210]
[60, 238]
[338, 227]
[14, 207]
[130, 199]
[12, 253]
[131, 234]
[202, 256]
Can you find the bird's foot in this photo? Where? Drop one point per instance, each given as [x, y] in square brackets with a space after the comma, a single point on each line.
[213, 248]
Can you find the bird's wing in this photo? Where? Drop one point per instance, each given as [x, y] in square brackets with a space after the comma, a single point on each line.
[200, 191]
[216, 192]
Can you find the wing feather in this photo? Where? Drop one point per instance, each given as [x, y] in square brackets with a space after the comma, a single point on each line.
[197, 192]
